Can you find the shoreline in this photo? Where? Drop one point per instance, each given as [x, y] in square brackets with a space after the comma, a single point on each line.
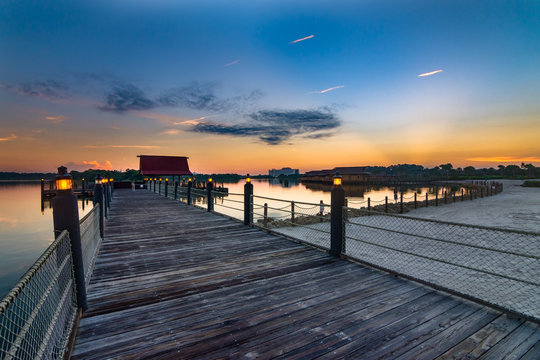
[516, 208]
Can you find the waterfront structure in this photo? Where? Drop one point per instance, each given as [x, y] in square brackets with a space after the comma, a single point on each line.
[286, 171]
[352, 174]
[153, 166]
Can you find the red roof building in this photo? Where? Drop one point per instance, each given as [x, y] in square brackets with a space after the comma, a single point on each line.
[153, 165]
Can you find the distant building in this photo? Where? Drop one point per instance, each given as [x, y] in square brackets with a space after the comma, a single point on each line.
[354, 174]
[286, 171]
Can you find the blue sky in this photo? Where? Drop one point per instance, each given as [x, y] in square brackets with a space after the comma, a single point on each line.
[223, 83]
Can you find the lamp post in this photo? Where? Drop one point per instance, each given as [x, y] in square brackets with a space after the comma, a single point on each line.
[66, 217]
[98, 199]
[189, 186]
[209, 188]
[336, 216]
[166, 187]
[248, 201]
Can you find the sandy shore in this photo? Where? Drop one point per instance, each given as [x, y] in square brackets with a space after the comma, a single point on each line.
[516, 208]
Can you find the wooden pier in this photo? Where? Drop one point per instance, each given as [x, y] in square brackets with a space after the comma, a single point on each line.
[173, 281]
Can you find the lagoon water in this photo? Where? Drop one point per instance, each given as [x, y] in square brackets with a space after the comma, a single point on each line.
[26, 231]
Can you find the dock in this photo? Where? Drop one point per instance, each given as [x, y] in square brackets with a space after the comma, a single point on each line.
[173, 282]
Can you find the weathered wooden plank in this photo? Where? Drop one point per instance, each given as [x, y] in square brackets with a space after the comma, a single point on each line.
[172, 281]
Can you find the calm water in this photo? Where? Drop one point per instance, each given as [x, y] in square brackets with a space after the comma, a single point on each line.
[25, 230]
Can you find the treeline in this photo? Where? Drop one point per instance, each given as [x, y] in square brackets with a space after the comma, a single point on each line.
[447, 171]
[25, 176]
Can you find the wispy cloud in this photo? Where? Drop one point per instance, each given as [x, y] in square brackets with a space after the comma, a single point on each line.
[327, 90]
[232, 63]
[506, 159]
[302, 39]
[124, 97]
[122, 146]
[430, 73]
[89, 164]
[171, 132]
[9, 138]
[46, 89]
[273, 127]
[56, 119]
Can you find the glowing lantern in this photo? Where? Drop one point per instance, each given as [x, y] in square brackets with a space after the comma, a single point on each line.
[337, 179]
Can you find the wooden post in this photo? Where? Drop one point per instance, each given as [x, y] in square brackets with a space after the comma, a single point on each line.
[189, 186]
[415, 200]
[66, 217]
[369, 204]
[105, 201]
[248, 207]
[401, 203]
[462, 195]
[386, 204]
[166, 187]
[336, 220]
[292, 212]
[98, 198]
[265, 221]
[209, 188]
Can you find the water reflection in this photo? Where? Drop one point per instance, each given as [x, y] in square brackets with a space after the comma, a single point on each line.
[26, 229]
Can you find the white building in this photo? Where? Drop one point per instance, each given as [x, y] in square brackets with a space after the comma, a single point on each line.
[286, 171]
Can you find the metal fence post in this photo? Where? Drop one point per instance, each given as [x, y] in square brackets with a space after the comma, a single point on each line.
[427, 200]
[248, 194]
[265, 221]
[292, 212]
[436, 198]
[401, 203]
[386, 204]
[209, 188]
[336, 217]
[415, 200]
[369, 204]
[66, 217]
[445, 200]
[175, 190]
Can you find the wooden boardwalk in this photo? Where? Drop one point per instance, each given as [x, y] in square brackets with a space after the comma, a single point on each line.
[176, 282]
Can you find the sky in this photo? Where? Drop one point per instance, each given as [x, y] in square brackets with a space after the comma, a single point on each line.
[247, 86]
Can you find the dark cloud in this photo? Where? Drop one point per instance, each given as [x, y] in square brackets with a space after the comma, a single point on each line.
[194, 96]
[47, 89]
[202, 96]
[124, 97]
[274, 127]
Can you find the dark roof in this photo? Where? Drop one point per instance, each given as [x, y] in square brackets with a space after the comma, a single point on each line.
[351, 170]
[163, 165]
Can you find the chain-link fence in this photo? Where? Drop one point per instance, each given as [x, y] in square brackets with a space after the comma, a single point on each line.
[90, 240]
[37, 315]
[496, 266]
[308, 222]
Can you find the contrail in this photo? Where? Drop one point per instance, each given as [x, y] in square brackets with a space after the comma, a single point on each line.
[430, 73]
[232, 63]
[302, 39]
[326, 90]
[330, 89]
